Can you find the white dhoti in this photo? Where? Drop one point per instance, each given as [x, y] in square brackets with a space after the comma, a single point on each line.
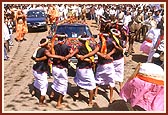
[85, 79]
[60, 83]
[41, 81]
[119, 69]
[105, 74]
[150, 56]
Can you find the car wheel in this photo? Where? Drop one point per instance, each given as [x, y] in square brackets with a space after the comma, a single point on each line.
[45, 29]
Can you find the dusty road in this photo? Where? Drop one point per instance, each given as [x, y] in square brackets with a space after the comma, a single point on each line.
[18, 79]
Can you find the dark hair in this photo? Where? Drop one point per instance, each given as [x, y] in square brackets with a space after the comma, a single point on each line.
[43, 40]
[84, 35]
[62, 38]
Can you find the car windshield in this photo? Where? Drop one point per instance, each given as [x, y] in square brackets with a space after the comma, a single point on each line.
[73, 31]
[35, 14]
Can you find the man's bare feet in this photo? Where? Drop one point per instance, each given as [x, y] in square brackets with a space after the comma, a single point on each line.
[77, 95]
[61, 106]
[52, 95]
[111, 101]
[90, 104]
[33, 93]
[43, 104]
[95, 94]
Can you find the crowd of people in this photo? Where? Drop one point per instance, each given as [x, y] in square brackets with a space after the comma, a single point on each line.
[119, 24]
[145, 16]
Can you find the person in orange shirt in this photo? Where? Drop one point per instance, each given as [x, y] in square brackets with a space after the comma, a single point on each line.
[21, 26]
[53, 14]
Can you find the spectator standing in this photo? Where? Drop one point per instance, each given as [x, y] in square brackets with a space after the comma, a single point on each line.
[99, 12]
[65, 12]
[21, 26]
[53, 14]
[92, 13]
[127, 18]
[6, 37]
[157, 16]
[10, 28]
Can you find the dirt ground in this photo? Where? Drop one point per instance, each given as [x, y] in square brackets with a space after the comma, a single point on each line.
[18, 79]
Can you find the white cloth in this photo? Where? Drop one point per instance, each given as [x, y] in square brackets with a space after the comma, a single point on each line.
[150, 56]
[6, 34]
[157, 18]
[121, 15]
[60, 83]
[85, 79]
[41, 81]
[119, 69]
[113, 12]
[65, 12]
[156, 71]
[156, 33]
[99, 12]
[105, 74]
[127, 19]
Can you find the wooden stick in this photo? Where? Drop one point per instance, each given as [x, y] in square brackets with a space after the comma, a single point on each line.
[135, 72]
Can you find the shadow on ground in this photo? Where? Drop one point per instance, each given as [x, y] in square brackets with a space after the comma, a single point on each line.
[117, 105]
[139, 58]
[70, 91]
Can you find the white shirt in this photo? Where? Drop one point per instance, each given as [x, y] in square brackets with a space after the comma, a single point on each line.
[112, 12]
[156, 33]
[65, 11]
[127, 19]
[99, 12]
[6, 34]
[61, 9]
[157, 18]
[121, 15]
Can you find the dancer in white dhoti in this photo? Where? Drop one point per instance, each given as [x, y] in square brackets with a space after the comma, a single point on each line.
[40, 68]
[84, 73]
[118, 57]
[105, 69]
[59, 70]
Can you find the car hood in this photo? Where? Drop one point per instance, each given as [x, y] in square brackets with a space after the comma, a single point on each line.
[36, 19]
